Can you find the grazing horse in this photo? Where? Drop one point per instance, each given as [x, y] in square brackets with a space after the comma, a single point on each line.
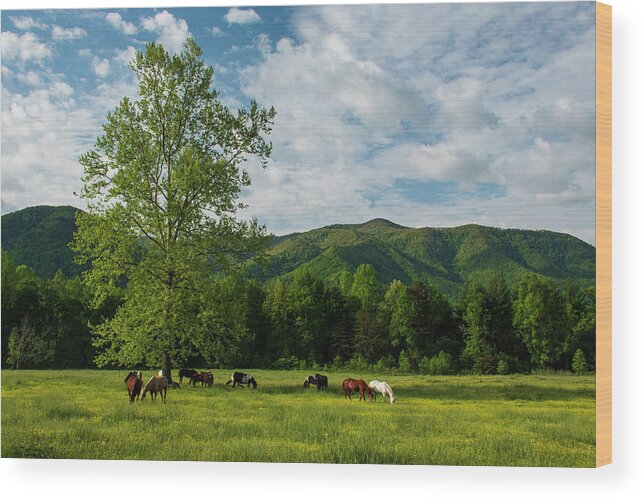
[350, 385]
[382, 387]
[205, 378]
[156, 385]
[242, 379]
[134, 382]
[186, 373]
[319, 380]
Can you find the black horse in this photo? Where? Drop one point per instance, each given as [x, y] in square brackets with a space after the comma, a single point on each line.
[318, 380]
[186, 373]
[242, 379]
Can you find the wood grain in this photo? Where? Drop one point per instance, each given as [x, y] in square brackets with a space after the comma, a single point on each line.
[603, 234]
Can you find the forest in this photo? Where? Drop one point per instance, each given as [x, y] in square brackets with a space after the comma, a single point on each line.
[348, 321]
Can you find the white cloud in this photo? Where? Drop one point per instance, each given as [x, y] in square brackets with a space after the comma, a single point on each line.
[85, 52]
[216, 31]
[30, 78]
[26, 22]
[366, 105]
[44, 131]
[59, 33]
[124, 57]
[172, 31]
[100, 67]
[115, 19]
[25, 47]
[241, 16]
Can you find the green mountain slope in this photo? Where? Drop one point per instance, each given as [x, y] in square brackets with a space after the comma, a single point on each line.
[442, 256]
[445, 257]
[39, 237]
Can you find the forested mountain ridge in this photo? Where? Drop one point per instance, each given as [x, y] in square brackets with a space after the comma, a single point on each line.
[39, 237]
[446, 257]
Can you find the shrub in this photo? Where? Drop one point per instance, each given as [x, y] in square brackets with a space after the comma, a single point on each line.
[424, 365]
[503, 367]
[579, 363]
[440, 363]
[404, 363]
[286, 363]
[338, 363]
[358, 363]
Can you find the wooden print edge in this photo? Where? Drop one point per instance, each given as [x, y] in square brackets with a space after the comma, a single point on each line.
[603, 234]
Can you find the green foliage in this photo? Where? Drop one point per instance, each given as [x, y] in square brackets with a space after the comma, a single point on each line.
[579, 364]
[442, 363]
[28, 347]
[365, 288]
[39, 237]
[540, 318]
[162, 187]
[404, 363]
[503, 367]
[486, 312]
[445, 257]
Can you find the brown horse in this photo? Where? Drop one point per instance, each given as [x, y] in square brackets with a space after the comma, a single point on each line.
[205, 378]
[350, 385]
[134, 382]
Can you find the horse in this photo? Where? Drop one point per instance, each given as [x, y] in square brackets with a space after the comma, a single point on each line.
[155, 385]
[382, 387]
[186, 373]
[205, 378]
[134, 382]
[319, 380]
[242, 379]
[350, 385]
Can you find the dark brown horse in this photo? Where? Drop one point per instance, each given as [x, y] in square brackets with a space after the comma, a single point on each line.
[350, 385]
[186, 373]
[134, 382]
[205, 378]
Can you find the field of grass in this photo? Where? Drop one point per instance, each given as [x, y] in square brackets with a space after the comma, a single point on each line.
[454, 420]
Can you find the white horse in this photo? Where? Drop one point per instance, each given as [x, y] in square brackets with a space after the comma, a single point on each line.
[384, 388]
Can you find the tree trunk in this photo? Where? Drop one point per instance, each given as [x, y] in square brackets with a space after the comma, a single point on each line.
[167, 367]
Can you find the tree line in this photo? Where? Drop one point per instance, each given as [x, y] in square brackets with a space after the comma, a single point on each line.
[350, 321]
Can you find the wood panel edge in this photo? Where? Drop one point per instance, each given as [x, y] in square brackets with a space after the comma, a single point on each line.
[603, 234]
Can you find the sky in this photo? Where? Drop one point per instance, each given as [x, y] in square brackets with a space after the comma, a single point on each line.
[427, 115]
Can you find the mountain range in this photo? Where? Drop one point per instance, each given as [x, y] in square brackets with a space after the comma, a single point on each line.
[446, 257]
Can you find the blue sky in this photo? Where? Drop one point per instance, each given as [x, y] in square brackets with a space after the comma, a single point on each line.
[428, 115]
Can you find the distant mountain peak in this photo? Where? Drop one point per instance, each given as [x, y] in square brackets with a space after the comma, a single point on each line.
[381, 222]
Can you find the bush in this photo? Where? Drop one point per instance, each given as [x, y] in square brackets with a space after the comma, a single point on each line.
[286, 363]
[404, 363]
[440, 364]
[338, 363]
[503, 367]
[579, 363]
[358, 363]
[424, 365]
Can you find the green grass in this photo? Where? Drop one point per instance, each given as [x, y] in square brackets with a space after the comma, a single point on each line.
[454, 420]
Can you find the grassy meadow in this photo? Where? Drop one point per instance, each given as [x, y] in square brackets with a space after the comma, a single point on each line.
[520, 420]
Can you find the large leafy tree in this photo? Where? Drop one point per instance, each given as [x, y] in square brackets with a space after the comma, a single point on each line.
[162, 186]
[540, 318]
